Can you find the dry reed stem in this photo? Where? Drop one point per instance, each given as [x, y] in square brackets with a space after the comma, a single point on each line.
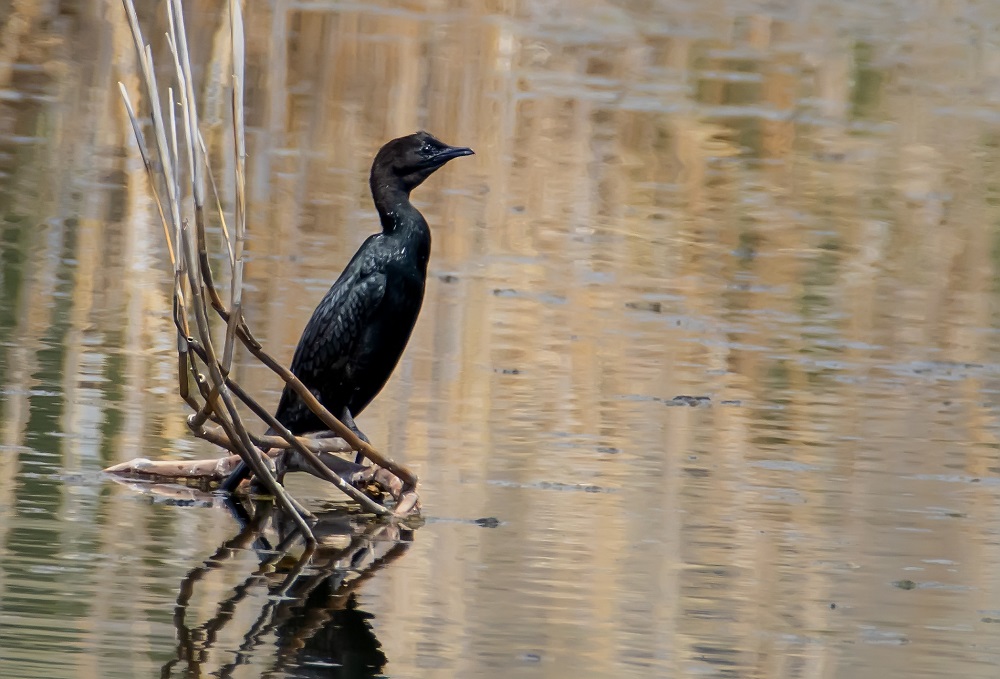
[186, 257]
[192, 274]
[319, 467]
[236, 324]
[240, 155]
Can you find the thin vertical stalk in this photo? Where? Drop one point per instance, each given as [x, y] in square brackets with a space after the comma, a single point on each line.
[240, 154]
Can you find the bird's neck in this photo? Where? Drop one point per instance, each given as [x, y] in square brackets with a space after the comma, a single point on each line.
[395, 211]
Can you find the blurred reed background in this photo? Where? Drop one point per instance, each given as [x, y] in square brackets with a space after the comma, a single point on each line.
[790, 208]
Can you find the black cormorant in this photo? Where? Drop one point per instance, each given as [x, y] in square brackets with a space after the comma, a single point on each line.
[360, 328]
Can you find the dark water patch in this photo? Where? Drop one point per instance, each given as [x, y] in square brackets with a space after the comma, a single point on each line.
[692, 401]
[553, 485]
[784, 466]
[544, 298]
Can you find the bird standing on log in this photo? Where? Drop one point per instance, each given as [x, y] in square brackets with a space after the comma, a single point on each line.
[359, 330]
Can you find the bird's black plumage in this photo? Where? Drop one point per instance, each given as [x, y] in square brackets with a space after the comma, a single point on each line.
[359, 329]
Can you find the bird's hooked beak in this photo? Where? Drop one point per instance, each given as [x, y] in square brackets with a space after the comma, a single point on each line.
[446, 153]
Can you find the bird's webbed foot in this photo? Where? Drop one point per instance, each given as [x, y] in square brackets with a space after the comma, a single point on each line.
[348, 419]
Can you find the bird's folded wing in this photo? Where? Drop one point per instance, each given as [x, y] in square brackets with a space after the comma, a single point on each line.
[331, 337]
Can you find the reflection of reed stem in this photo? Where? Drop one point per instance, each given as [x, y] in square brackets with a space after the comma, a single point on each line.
[314, 589]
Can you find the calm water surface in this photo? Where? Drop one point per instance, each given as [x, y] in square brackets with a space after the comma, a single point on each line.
[788, 212]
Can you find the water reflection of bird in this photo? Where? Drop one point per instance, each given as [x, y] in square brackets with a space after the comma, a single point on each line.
[308, 620]
[360, 328]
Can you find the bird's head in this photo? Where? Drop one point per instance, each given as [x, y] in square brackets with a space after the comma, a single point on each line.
[413, 158]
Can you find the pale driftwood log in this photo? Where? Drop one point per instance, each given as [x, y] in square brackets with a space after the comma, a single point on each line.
[207, 474]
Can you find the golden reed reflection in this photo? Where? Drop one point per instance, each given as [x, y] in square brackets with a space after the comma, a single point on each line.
[793, 211]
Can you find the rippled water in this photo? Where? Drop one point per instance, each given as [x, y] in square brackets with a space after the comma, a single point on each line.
[711, 331]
